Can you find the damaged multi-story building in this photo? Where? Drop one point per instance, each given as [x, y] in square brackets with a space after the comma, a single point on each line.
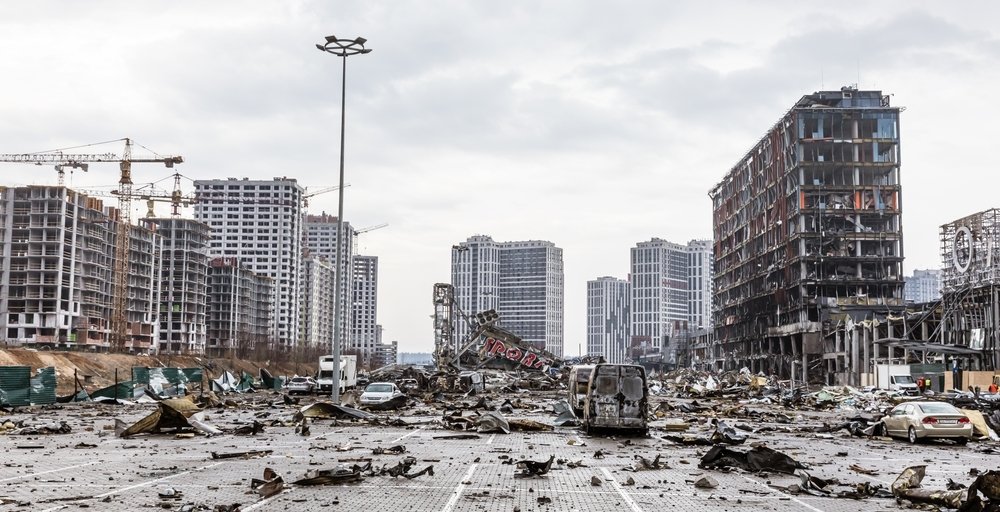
[808, 236]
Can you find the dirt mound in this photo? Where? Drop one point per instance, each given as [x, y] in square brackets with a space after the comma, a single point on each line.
[98, 370]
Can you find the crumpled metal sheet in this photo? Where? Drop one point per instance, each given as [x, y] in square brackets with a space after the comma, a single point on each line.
[331, 410]
[759, 458]
[492, 422]
[172, 413]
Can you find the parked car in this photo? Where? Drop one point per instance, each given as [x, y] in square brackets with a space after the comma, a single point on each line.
[303, 385]
[379, 392]
[924, 420]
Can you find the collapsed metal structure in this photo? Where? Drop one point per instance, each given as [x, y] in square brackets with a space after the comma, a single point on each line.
[486, 346]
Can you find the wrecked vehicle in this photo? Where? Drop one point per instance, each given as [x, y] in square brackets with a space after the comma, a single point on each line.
[579, 376]
[302, 385]
[925, 420]
[617, 399]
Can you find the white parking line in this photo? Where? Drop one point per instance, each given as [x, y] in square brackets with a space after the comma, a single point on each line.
[136, 486]
[490, 440]
[265, 500]
[404, 436]
[457, 493]
[796, 500]
[47, 472]
[621, 492]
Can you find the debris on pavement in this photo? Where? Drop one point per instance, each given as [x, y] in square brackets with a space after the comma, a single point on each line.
[270, 485]
[331, 410]
[759, 458]
[176, 414]
[907, 486]
[706, 482]
[251, 454]
[531, 468]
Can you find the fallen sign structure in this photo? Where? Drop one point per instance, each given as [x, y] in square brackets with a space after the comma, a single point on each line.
[499, 349]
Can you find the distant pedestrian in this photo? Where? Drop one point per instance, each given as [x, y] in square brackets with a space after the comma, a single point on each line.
[994, 388]
[920, 384]
[927, 384]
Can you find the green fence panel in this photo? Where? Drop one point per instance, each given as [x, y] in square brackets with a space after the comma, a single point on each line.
[43, 386]
[15, 385]
[140, 375]
[194, 375]
[124, 391]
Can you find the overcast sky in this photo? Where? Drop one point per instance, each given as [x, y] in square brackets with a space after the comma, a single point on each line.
[591, 124]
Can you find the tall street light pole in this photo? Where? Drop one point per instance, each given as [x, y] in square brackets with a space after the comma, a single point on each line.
[342, 48]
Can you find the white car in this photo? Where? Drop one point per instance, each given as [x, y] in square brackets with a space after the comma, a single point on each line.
[304, 385]
[379, 392]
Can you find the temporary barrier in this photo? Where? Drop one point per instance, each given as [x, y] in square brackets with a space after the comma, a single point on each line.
[18, 387]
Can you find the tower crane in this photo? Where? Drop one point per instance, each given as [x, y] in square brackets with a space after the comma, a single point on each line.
[119, 313]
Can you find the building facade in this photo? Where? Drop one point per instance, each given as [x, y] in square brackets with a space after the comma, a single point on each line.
[923, 286]
[608, 319]
[365, 336]
[522, 281]
[56, 271]
[182, 289]
[240, 308]
[320, 240]
[259, 222]
[317, 301]
[700, 284]
[659, 300]
[808, 234]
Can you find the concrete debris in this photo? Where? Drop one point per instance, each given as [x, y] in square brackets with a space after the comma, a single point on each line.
[492, 422]
[21, 428]
[595, 481]
[643, 464]
[706, 482]
[907, 486]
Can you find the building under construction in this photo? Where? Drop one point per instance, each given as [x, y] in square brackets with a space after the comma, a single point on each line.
[808, 236]
[57, 260]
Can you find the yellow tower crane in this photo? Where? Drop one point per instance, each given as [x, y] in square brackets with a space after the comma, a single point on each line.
[119, 301]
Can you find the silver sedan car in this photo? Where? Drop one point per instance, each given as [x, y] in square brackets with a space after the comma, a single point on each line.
[924, 420]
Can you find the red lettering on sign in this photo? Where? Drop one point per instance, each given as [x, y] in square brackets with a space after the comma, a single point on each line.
[514, 354]
[498, 347]
[529, 358]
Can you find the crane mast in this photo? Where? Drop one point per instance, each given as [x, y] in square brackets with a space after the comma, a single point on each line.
[119, 301]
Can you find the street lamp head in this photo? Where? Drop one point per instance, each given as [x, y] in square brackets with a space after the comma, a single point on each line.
[344, 47]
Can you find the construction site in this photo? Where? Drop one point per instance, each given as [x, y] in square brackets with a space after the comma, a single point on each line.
[78, 273]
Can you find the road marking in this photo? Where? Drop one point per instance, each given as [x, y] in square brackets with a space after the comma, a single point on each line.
[136, 486]
[490, 440]
[457, 493]
[47, 472]
[404, 436]
[265, 500]
[621, 492]
[796, 500]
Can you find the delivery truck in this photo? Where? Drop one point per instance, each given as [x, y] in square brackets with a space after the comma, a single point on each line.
[896, 377]
[348, 373]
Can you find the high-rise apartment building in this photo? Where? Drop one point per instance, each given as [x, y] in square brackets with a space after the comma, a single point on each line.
[699, 284]
[923, 286]
[183, 289]
[239, 309]
[808, 234]
[660, 295]
[608, 319]
[364, 311]
[259, 222]
[320, 240]
[317, 300]
[522, 281]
